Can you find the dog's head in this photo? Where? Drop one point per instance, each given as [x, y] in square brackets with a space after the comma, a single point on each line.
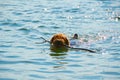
[59, 40]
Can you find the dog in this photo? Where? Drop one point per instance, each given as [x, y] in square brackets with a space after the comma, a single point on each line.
[75, 36]
[59, 42]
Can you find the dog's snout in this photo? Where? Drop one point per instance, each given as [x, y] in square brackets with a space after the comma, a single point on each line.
[58, 42]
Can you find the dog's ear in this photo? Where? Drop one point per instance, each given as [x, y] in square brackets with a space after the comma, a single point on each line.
[67, 41]
[51, 41]
[53, 38]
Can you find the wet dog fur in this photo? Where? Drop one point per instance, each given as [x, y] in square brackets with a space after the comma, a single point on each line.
[59, 40]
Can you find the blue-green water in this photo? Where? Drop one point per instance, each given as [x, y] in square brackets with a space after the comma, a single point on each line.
[23, 22]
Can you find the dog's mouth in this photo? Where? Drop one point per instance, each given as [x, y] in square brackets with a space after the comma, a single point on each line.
[59, 43]
[59, 46]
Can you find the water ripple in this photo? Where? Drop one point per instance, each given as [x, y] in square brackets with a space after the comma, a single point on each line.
[6, 79]
[64, 71]
[73, 10]
[6, 46]
[17, 62]
[41, 26]
[24, 30]
[111, 73]
[26, 20]
[6, 69]
[25, 47]
[12, 56]
[39, 59]
[92, 77]
[17, 13]
[37, 76]
[11, 24]
[7, 5]
[3, 51]
[75, 65]
[28, 62]
[116, 67]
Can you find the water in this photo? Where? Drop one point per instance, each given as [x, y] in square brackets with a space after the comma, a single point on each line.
[23, 22]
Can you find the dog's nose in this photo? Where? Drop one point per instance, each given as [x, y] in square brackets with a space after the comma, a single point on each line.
[58, 43]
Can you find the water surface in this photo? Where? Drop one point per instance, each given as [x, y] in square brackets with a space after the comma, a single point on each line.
[23, 22]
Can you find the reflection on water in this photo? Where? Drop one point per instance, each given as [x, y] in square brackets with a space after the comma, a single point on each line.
[22, 23]
[59, 59]
[57, 54]
[58, 50]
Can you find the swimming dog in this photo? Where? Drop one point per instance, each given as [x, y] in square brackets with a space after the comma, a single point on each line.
[75, 36]
[59, 40]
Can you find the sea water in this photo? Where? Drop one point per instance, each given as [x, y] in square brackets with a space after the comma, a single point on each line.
[23, 22]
